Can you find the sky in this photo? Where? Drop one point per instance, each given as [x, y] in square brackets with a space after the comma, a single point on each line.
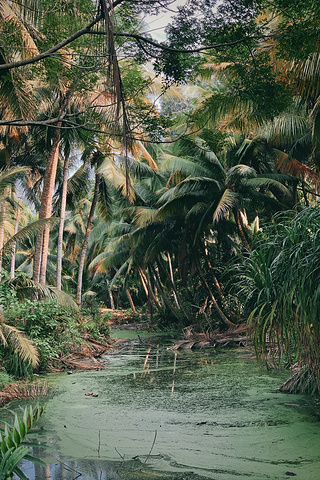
[157, 23]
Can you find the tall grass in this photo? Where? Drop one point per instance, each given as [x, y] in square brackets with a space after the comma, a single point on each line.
[279, 284]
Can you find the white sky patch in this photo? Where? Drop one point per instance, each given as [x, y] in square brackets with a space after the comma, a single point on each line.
[157, 23]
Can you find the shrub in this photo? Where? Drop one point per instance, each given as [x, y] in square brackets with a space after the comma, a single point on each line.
[96, 327]
[54, 329]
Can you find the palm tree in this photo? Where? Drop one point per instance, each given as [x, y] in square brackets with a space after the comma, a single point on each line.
[8, 177]
[125, 245]
[75, 139]
[106, 172]
[210, 193]
[16, 93]
[217, 205]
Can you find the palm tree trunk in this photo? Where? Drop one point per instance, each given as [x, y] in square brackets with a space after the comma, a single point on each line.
[14, 246]
[86, 239]
[37, 256]
[165, 299]
[176, 295]
[2, 218]
[42, 244]
[214, 301]
[143, 282]
[146, 283]
[172, 281]
[133, 308]
[62, 216]
[215, 280]
[111, 299]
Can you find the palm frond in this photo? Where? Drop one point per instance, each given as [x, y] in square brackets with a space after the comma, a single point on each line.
[304, 78]
[27, 288]
[262, 182]
[145, 215]
[187, 166]
[227, 202]
[240, 172]
[316, 126]
[28, 232]
[116, 176]
[292, 166]
[104, 200]
[139, 149]
[20, 344]
[284, 129]
[62, 298]
[9, 15]
[9, 176]
[78, 184]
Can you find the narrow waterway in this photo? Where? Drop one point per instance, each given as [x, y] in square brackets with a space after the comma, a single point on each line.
[185, 415]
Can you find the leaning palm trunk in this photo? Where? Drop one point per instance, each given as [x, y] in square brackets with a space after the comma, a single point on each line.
[133, 308]
[163, 296]
[172, 281]
[42, 244]
[2, 219]
[14, 246]
[145, 281]
[223, 317]
[86, 239]
[176, 295]
[62, 217]
[111, 299]
[214, 278]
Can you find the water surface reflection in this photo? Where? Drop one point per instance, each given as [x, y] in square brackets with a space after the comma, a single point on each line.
[185, 415]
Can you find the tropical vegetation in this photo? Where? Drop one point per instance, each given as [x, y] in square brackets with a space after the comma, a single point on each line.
[190, 194]
[12, 447]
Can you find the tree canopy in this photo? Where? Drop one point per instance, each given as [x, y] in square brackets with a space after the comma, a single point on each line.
[148, 172]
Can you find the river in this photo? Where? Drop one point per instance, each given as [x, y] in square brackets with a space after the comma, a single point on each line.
[177, 415]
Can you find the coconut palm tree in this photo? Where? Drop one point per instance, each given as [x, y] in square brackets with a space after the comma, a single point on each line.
[16, 93]
[217, 205]
[210, 193]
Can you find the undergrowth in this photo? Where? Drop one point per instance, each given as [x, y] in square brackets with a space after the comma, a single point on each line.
[55, 330]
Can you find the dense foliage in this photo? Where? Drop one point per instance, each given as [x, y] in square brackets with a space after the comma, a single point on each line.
[154, 188]
[54, 329]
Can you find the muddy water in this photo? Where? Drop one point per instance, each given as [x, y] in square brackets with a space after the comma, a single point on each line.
[185, 415]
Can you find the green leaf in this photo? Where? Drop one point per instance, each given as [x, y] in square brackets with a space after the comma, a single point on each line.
[33, 459]
[20, 473]
[16, 437]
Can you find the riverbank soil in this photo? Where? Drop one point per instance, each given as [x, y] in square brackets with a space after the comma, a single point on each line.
[126, 320]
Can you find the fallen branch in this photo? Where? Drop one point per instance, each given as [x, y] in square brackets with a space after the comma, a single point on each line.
[154, 441]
